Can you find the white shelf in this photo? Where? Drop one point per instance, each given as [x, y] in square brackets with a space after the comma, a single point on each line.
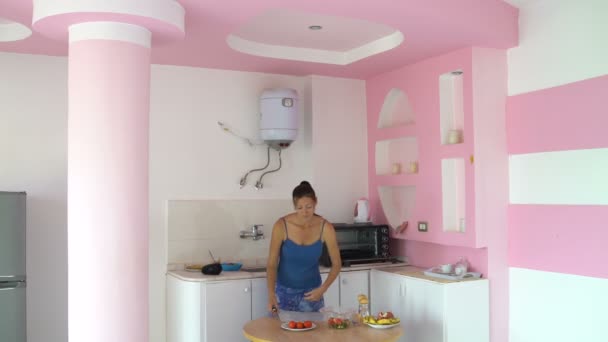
[396, 110]
[453, 194]
[402, 151]
[397, 203]
[451, 107]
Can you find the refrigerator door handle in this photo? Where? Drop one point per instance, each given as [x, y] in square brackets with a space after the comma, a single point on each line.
[5, 286]
[11, 278]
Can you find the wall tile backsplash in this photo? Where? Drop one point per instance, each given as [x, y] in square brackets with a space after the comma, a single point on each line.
[197, 226]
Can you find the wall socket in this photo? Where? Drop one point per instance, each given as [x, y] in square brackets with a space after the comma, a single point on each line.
[423, 226]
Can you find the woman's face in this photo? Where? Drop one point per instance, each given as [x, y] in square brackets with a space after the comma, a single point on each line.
[305, 208]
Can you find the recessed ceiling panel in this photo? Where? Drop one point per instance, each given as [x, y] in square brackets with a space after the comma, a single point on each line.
[287, 34]
[11, 31]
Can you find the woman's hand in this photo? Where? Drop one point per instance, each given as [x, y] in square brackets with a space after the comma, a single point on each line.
[314, 295]
[273, 304]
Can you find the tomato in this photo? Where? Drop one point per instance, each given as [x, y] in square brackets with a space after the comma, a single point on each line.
[330, 321]
[300, 325]
[308, 324]
[292, 325]
[337, 321]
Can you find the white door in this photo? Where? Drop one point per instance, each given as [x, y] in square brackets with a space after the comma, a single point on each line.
[259, 298]
[332, 296]
[353, 284]
[227, 309]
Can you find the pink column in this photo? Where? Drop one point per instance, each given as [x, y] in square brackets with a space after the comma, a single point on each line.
[108, 122]
[109, 82]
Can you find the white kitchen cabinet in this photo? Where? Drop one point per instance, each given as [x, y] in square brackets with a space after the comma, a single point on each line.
[332, 295]
[433, 311]
[387, 294]
[259, 298]
[351, 285]
[224, 306]
[183, 310]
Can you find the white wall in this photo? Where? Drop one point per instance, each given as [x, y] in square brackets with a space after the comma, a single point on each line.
[560, 41]
[549, 306]
[339, 146]
[33, 158]
[190, 238]
[192, 158]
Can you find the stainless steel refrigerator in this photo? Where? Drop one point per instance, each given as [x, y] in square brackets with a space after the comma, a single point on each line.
[12, 266]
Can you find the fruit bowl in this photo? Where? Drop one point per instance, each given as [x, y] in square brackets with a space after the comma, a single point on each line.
[382, 321]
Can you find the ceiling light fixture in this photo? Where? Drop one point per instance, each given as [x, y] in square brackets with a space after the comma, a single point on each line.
[315, 27]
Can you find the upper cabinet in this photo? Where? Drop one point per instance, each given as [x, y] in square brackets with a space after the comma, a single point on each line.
[437, 147]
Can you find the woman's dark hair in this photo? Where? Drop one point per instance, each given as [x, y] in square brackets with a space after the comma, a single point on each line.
[303, 190]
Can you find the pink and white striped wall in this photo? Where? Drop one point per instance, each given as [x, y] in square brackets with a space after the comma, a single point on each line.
[557, 139]
[558, 216]
[556, 127]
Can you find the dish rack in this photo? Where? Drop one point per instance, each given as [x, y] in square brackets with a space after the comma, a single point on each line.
[437, 273]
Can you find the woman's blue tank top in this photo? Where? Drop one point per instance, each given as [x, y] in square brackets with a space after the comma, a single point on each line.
[299, 264]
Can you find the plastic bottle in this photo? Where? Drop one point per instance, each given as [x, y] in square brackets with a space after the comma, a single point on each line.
[363, 310]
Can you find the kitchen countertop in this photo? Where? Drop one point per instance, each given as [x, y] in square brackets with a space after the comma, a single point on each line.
[232, 275]
[417, 272]
[400, 268]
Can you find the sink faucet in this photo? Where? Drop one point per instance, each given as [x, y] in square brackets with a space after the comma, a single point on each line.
[255, 232]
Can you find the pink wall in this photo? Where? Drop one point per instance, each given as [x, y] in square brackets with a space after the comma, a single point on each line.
[559, 238]
[424, 254]
[543, 120]
[421, 84]
[484, 242]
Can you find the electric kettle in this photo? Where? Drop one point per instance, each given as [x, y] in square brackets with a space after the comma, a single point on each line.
[362, 211]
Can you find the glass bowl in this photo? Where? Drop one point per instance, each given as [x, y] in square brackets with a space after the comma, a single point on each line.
[339, 318]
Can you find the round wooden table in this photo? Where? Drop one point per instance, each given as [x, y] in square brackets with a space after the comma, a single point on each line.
[268, 329]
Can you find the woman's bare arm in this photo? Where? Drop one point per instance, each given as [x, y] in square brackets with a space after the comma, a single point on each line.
[329, 236]
[276, 240]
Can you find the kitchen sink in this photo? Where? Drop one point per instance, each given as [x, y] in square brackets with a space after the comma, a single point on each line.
[254, 269]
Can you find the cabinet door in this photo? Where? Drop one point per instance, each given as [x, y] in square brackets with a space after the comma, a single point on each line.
[387, 294]
[332, 296]
[422, 315]
[259, 298]
[351, 285]
[183, 310]
[227, 309]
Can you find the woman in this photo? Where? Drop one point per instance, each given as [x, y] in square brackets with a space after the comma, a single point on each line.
[294, 280]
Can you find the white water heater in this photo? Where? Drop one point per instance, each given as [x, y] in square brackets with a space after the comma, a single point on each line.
[279, 117]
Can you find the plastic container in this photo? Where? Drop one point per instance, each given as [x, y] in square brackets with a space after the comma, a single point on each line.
[363, 311]
[231, 266]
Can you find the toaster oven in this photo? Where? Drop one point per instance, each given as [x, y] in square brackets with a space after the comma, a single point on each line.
[360, 243]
